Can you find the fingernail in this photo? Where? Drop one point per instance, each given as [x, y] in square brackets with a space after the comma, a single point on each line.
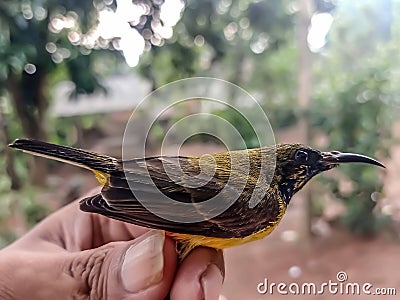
[211, 282]
[144, 262]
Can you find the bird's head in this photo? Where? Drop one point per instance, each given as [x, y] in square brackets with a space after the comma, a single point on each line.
[296, 164]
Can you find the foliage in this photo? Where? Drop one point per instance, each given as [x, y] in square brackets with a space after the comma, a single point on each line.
[238, 121]
[221, 39]
[359, 127]
[354, 105]
[19, 210]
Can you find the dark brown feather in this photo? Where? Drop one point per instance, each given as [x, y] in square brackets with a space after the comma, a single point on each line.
[145, 179]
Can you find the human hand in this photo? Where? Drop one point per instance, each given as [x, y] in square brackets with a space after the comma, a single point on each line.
[76, 255]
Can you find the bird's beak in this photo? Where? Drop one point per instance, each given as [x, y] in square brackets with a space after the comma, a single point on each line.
[336, 157]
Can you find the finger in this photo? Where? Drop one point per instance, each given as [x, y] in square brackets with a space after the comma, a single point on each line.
[142, 269]
[74, 230]
[138, 270]
[157, 290]
[200, 276]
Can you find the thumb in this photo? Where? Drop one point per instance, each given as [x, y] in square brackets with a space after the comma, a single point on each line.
[138, 269]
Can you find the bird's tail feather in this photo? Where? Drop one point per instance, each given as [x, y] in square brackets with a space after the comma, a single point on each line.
[74, 156]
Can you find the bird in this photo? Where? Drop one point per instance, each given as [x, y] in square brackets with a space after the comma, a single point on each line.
[251, 188]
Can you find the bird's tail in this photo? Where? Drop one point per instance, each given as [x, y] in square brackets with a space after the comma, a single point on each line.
[100, 164]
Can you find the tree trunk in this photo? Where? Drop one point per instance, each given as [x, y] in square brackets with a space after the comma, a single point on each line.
[30, 105]
[8, 154]
[304, 95]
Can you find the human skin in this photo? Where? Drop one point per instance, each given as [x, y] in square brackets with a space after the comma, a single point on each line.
[77, 255]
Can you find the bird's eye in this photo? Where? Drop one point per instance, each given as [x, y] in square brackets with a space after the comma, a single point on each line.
[301, 156]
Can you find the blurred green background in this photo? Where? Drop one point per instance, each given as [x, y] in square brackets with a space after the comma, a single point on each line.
[326, 73]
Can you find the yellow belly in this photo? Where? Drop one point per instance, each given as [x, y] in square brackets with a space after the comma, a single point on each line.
[191, 241]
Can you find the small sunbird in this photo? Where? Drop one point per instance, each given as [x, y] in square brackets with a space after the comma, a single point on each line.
[236, 178]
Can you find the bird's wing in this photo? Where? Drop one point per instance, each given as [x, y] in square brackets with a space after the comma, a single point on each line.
[144, 194]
